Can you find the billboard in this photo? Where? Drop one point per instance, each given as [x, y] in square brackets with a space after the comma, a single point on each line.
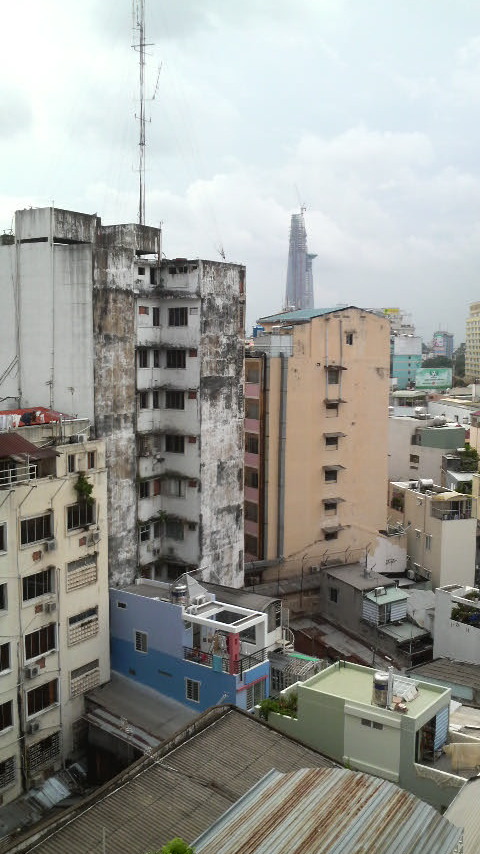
[433, 378]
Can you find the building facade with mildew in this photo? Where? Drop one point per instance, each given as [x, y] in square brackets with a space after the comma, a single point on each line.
[152, 352]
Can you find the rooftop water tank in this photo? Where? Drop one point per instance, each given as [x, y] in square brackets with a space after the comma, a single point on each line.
[380, 689]
[178, 594]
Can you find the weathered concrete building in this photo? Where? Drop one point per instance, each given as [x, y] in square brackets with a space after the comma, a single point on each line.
[152, 353]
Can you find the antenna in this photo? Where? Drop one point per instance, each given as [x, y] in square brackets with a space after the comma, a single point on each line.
[139, 25]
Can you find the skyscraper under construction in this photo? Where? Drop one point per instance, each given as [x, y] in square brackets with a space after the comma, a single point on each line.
[299, 292]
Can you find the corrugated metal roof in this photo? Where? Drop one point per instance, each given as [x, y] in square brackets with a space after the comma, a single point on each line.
[453, 672]
[392, 594]
[329, 811]
[179, 791]
[464, 812]
[305, 314]
[13, 445]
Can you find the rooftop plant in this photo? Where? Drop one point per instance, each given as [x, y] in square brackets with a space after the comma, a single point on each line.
[280, 705]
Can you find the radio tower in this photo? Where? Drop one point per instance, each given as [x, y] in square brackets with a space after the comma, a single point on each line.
[139, 26]
[299, 291]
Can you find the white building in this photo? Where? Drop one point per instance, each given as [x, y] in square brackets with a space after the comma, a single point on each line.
[152, 352]
[457, 623]
[440, 526]
[53, 593]
[416, 446]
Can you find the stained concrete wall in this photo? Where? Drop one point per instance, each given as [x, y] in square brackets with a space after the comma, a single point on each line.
[221, 422]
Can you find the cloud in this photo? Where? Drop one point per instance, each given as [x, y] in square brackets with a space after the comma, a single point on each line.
[15, 113]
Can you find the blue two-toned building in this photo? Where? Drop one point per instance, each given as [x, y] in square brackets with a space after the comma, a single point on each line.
[186, 644]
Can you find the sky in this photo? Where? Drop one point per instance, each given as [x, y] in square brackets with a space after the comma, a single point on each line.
[364, 111]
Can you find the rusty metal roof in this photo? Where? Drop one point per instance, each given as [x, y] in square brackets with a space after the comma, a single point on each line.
[13, 445]
[329, 811]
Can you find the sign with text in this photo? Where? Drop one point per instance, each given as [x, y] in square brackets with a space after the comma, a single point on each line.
[433, 378]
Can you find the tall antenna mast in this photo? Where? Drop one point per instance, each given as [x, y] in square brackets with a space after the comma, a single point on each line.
[139, 25]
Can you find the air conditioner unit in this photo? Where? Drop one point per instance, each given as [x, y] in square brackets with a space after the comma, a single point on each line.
[80, 437]
[96, 536]
[33, 727]
[50, 607]
[50, 545]
[32, 671]
[411, 574]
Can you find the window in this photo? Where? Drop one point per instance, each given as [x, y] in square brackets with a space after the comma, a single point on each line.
[331, 535]
[143, 400]
[366, 722]
[174, 486]
[143, 358]
[121, 604]
[418, 533]
[42, 698]
[333, 376]
[7, 772]
[43, 751]
[155, 400]
[144, 533]
[6, 715]
[143, 309]
[144, 489]
[330, 507]
[155, 315]
[376, 725]
[4, 657]
[3, 537]
[414, 459]
[251, 443]
[157, 530]
[251, 511]
[91, 460]
[175, 400]
[36, 529]
[3, 597]
[332, 408]
[141, 642]
[192, 690]
[141, 271]
[331, 475]
[174, 529]
[252, 408]
[176, 358]
[255, 694]
[178, 316]
[349, 338]
[251, 478]
[333, 594]
[71, 463]
[79, 515]
[331, 442]
[428, 542]
[38, 584]
[174, 444]
[156, 358]
[41, 641]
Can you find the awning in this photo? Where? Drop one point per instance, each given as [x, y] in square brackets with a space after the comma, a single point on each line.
[334, 498]
[331, 528]
[334, 365]
[337, 435]
[333, 468]
[334, 400]
[13, 445]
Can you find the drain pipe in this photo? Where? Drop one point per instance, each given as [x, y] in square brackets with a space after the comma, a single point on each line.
[282, 439]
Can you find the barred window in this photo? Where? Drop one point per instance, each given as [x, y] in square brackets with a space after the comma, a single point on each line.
[79, 515]
[6, 715]
[36, 529]
[41, 698]
[174, 444]
[38, 584]
[7, 772]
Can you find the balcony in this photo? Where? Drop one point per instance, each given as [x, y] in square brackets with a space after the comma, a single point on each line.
[453, 510]
[13, 475]
[221, 663]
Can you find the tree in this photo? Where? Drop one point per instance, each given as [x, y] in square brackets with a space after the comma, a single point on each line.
[175, 846]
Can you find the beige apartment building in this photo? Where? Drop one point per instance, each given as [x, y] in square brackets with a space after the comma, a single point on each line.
[440, 527]
[316, 436]
[472, 343]
[53, 592]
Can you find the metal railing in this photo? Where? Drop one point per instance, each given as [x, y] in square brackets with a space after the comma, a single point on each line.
[244, 663]
[448, 515]
[17, 474]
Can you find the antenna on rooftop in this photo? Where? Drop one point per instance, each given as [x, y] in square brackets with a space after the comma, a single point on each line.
[140, 45]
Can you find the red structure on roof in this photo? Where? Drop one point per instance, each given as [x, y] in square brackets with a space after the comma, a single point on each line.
[38, 415]
[13, 445]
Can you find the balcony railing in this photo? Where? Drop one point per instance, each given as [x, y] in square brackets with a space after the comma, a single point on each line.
[17, 474]
[447, 515]
[208, 659]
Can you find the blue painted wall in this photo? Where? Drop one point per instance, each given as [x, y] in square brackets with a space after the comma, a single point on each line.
[163, 667]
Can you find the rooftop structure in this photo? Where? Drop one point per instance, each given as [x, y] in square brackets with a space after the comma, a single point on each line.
[379, 723]
[299, 289]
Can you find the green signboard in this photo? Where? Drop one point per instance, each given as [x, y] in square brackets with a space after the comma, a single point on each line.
[433, 378]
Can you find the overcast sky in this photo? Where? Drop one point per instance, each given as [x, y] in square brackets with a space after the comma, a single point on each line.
[367, 111]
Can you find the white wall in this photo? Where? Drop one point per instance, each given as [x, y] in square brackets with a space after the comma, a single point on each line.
[453, 640]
